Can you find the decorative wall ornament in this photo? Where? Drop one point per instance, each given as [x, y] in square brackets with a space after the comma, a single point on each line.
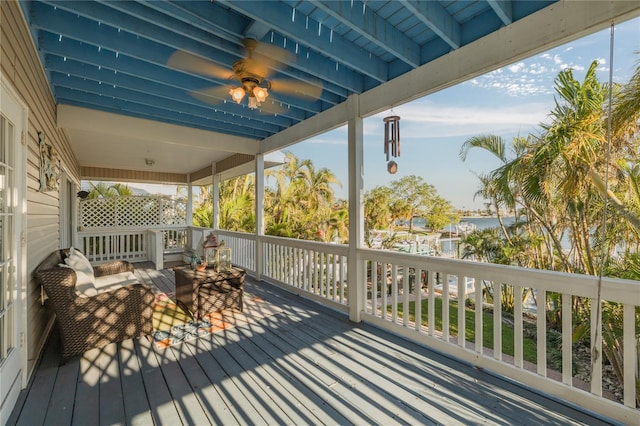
[49, 166]
[392, 140]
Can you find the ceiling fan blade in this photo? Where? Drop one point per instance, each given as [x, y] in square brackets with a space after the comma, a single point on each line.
[265, 59]
[272, 107]
[296, 88]
[184, 61]
[212, 95]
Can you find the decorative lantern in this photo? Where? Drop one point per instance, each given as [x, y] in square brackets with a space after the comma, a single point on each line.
[224, 259]
[210, 247]
[392, 140]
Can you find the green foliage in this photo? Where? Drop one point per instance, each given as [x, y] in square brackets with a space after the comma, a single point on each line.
[104, 190]
[300, 203]
[406, 199]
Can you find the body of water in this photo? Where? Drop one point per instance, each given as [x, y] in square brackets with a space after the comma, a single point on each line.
[479, 222]
[449, 247]
[487, 222]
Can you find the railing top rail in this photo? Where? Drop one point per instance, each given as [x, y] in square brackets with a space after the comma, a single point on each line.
[613, 289]
[339, 249]
[246, 235]
[118, 230]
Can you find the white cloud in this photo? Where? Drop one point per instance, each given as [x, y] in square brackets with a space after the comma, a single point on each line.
[515, 68]
[426, 119]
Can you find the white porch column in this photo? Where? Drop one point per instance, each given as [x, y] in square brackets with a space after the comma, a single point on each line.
[355, 271]
[259, 196]
[189, 218]
[215, 198]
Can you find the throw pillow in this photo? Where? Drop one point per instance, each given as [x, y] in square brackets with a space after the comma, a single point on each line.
[85, 284]
[78, 262]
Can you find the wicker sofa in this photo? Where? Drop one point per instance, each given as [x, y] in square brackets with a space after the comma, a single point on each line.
[118, 309]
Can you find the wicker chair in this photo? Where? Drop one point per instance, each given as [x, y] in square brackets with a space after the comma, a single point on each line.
[94, 322]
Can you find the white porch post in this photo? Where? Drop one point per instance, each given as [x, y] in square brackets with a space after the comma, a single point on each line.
[189, 203]
[215, 197]
[355, 289]
[259, 196]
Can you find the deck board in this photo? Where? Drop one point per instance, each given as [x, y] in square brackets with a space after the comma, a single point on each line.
[136, 405]
[60, 408]
[285, 360]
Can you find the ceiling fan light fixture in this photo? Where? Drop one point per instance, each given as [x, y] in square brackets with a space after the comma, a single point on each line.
[253, 102]
[260, 93]
[237, 93]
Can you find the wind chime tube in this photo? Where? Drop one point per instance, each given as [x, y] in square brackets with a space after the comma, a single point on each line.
[386, 139]
[392, 136]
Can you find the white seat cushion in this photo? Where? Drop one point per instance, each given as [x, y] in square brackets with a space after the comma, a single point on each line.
[84, 285]
[108, 282]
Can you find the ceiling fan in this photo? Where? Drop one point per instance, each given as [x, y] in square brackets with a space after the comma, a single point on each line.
[252, 73]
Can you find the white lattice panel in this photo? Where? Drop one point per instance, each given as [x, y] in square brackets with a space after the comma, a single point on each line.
[132, 212]
[98, 213]
[174, 212]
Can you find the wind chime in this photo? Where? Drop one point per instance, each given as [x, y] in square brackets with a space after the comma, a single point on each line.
[392, 141]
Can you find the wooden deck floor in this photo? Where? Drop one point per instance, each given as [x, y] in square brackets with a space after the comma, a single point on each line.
[287, 361]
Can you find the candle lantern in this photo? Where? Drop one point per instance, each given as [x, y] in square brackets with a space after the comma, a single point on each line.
[224, 259]
[210, 249]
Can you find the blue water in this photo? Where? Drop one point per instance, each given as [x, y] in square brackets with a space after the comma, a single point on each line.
[450, 247]
[480, 222]
[486, 222]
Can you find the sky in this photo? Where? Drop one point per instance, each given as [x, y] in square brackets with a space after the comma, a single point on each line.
[507, 102]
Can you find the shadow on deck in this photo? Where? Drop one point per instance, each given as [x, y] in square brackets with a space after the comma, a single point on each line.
[299, 364]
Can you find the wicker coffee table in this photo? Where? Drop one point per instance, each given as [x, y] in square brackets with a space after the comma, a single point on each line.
[208, 291]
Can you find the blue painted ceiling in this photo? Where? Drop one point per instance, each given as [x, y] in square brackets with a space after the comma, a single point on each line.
[120, 56]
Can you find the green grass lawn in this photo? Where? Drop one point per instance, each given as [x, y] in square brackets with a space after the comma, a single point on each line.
[529, 346]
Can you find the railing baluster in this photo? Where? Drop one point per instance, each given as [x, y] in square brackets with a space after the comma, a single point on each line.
[567, 341]
[479, 287]
[462, 297]
[518, 330]
[417, 291]
[630, 355]
[445, 307]
[497, 321]
[406, 284]
[541, 332]
[432, 305]
[394, 293]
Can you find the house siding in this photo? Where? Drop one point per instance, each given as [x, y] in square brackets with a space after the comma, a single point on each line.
[21, 66]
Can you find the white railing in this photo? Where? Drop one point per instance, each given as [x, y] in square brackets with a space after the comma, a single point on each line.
[445, 295]
[243, 248]
[134, 245]
[316, 269]
[103, 246]
[174, 240]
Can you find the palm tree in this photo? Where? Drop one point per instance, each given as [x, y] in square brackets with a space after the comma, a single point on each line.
[497, 189]
[300, 204]
[237, 204]
[104, 190]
